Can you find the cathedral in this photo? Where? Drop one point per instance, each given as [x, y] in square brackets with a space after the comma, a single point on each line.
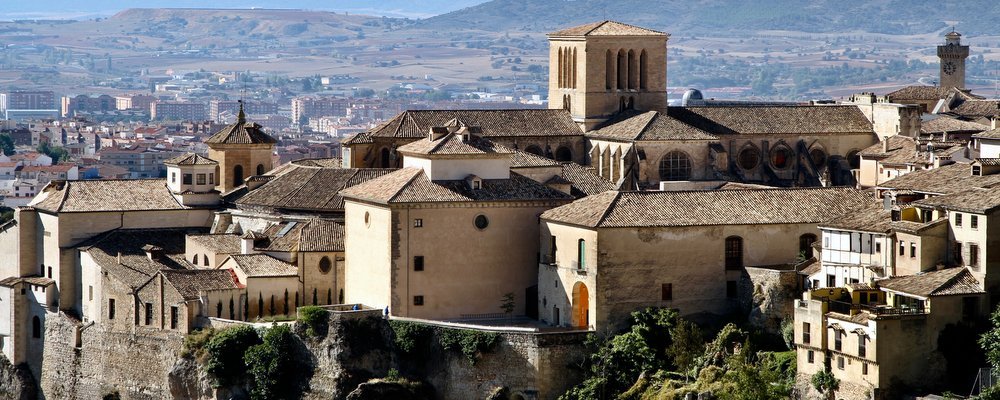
[608, 111]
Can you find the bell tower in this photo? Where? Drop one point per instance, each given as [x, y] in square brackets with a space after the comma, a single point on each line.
[603, 68]
[242, 150]
[952, 56]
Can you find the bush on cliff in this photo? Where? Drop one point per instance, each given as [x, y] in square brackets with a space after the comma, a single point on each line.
[225, 354]
[471, 343]
[315, 319]
[410, 337]
[272, 367]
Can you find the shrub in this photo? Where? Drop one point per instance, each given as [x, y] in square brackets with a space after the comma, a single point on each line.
[410, 336]
[469, 342]
[316, 320]
[271, 365]
[825, 382]
[195, 342]
[225, 354]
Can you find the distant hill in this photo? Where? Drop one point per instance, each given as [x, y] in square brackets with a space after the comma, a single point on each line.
[730, 17]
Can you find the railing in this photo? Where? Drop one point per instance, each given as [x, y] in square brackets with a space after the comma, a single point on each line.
[877, 309]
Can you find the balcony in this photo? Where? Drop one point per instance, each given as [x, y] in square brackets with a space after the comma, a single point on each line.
[878, 310]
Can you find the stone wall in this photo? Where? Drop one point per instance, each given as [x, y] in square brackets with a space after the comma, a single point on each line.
[767, 296]
[16, 382]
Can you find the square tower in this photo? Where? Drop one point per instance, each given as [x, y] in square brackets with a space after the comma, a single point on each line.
[600, 69]
[952, 55]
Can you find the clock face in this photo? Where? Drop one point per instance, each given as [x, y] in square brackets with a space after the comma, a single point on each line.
[948, 67]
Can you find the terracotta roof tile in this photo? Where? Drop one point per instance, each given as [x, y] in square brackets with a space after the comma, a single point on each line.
[493, 123]
[950, 125]
[584, 181]
[651, 126]
[770, 120]
[411, 185]
[607, 28]
[135, 267]
[869, 217]
[951, 178]
[903, 150]
[261, 265]
[220, 243]
[976, 200]
[951, 281]
[989, 134]
[978, 108]
[190, 283]
[305, 187]
[241, 133]
[523, 159]
[454, 144]
[106, 195]
[918, 93]
[190, 159]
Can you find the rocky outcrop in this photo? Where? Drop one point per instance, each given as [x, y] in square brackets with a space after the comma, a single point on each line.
[379, 390]
[16, 382]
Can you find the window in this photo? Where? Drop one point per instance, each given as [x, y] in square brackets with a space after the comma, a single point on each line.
[730, 289]
[878, 247]
[187, 179]
[805, 245]
[958, 220]
[418, 263]
[211, 178]
[174, 316]
[481, 222]
[810, 357]
[476, 185]
[864, 368]
[50, 272]
[749, 158]
[418, 223]
[325, 264]
[204, 259]
[862, 346]
[111, 308]
[90, 293]
[581, 254]
[806, 338]
[36, 327]
[418, 300]
[260, 169]
[238, 175]
[675, 166]
[818, 157]
[781, 157]
[831, 280]
[902, 248]
[194, 260]
[840, 362]
[552, 250]
[734, 252]
[200, 179]
[149, 313]
[977, 170]
[956, 251]
[974, 222]
[667, 292]
[913, 249]
[837, 340]
[173, 177]
[973, 254]
[926, 215]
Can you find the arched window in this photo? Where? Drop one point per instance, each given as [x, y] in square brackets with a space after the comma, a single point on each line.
[632, 69]
[609, 71]
[204, 259]
[560, 68]
[237, 175]
[581, 254]
[781, 157]
[260, 169]
[573, 68]
[643, 74]
[563, 153]
[36, 327]
[748, 158]
[675, 166]
[324, 264]
[194, 260]
[385, 158]
[805, 245]
[622, 70]
[818, 157]
[734, 252]
[533, 150]
[854, 159]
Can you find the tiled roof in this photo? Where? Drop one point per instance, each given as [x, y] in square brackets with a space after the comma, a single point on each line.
[411, 185]
[241, 133]
[709, 207]
[523, 159]
[903, 150]
[813, 267]
[651, 126]
[918, 93]
[976, 200]
[454, 144]
[607, 28]
[989, 162]
[319, 162]
[190, 159]
[48, 168]
[951, 281]
[302, 187]
[135, 267]
[584, 181]
[774, 120]
[106, 195]
[978, 108]
[869, 217]
[261, 265]
[416, 124]
[190, 283]
[357, 138]
[950, 125]
[915, 227]
[951, 178]
[989, 134]
[34, 280]
[322, 235]
[219, 243]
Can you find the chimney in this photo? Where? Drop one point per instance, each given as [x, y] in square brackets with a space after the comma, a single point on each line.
[885, 145]
[119, 258]
[153, 252]
[249, 241]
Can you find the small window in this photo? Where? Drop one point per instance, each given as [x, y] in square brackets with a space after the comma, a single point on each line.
[902, 248]
[173, 177]
[864, 368]
[481, 222]
[211, 178]
[840, 362]
[831, 280]
[200, 179]
[325, 264]
[667, 292]
[973, 255]
[974, 222]
[187, 179]
[913, 249]
[418, 300]
[878, 247]
[50, 272]
[368, 219]
[418, 263]
[149, 313]
[90, 293]
[956, 251]
[862, 346]
[734, 253]
[977, 170]
[477, 184]
[581, 254]
[418, 223]
[111, 308]
[810, 357]
[204, 259]
[731, 289]
[806, 338]
[838, 340]
[36, 327]
[958, 220]
[174, 317]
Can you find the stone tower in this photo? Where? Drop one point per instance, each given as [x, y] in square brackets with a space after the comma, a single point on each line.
[602, 68]
[242, 150]
[952, 55]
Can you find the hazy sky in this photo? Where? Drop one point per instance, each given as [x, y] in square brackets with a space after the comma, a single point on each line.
[77, 9]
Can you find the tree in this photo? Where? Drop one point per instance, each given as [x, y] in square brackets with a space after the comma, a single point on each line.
[225, 354]
[271, 365]
[990, 341]
[825, 383]
[507, 303]
[6, 144]
[688, 344]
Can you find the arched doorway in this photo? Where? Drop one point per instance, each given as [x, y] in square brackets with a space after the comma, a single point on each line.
[238, 175]
[563, 153]
[581, 306]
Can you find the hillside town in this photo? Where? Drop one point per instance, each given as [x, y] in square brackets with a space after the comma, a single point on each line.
[864, 226]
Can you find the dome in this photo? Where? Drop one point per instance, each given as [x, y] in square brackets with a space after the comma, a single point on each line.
[691, 96]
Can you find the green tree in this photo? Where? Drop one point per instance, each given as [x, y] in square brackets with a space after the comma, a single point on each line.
[271, 365]
[990, 341]
[688, 344]
[6, 144]
[225, 354]
[824, 382]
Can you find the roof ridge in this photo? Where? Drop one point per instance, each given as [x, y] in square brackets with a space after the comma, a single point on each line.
[642, 131]
[417, 172]
[607, 210]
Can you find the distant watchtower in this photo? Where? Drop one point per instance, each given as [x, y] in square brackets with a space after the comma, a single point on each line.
[952, 55]
[602, 68]
[242, 150]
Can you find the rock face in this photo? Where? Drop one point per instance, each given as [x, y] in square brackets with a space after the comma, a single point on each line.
[16, 382]
[340, 362]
